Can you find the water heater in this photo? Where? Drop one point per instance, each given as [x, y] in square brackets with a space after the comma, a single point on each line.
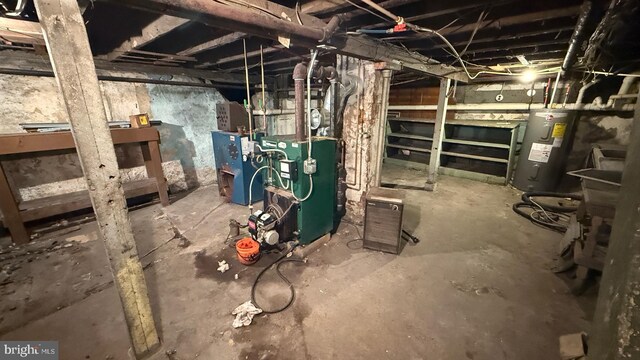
[545, 149]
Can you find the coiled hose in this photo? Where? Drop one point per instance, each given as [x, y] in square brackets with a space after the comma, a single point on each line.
[280, 260]
[552, 217]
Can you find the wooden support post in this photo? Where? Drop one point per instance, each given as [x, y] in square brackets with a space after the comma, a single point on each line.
[153, 163]
[10, 211]
[68, 46]
[616, 322]
[438, 135]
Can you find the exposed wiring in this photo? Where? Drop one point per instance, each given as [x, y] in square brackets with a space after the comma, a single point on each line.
[483, 15]
[298, 13]
[367, 10]
[455, 53]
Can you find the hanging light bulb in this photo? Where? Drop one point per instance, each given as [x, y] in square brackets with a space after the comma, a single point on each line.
[528, 76]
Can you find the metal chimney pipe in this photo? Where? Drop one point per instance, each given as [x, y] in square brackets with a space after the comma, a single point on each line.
[299, 75]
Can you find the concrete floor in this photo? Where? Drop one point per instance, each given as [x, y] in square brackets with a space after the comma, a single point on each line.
[477, 286]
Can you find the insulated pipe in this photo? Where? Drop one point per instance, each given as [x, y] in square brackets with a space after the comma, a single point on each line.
[577, 37]
[299, 74]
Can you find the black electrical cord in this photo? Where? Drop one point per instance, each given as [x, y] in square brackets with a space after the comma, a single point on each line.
[359, 238]
[279, 261]
[551, 217]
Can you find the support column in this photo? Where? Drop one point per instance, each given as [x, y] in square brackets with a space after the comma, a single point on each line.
[616, 323]
[68, 46]
[382, 126]
[360, 129]
[438, 135]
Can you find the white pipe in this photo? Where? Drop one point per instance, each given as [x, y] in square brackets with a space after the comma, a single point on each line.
[555, 88]
[471, 107]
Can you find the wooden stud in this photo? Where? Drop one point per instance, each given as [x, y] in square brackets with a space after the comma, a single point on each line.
[438, 134]
[72, 61]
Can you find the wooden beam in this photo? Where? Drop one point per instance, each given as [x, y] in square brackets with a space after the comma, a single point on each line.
[510, 47]
[70, 53]
[322, 6]
[232, 58]
[164, 24]
[212, 44]
[505, 21]
[438, 135]
[23, 61]
[261, 25]
[616, 321]
[21, 31]
[503, 37]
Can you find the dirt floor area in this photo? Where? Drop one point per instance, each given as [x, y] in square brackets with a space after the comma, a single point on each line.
[478, 286]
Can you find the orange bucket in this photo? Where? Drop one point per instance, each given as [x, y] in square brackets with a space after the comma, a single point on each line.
[248, 251]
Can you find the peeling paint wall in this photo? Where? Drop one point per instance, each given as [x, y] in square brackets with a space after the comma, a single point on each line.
[361, 117]
[188, 114]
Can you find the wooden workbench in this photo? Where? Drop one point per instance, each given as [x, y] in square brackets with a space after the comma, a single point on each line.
[15, 214]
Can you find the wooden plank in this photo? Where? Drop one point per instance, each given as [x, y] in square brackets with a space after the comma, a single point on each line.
[164, 24]
[476, 143]
[68, 46]
[213, 44]
[35, 142]
[410, 136]
[475, 157]
[22, 31]
[438, 134]
[10, 212]
[406, 147]
[59, 204]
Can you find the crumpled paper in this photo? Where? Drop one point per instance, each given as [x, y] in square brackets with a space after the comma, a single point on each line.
[244, 314]
[223, 266]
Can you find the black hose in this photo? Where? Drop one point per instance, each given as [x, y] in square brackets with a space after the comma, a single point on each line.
[278, 261]
[552, 213]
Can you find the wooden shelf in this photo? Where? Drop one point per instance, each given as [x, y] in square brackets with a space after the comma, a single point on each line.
[412, 148]
[477, 143]
[410, 136]
[59, 204]
[475, 157]
[485, 148]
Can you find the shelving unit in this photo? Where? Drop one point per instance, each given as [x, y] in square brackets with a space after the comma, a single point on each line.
[477, 149]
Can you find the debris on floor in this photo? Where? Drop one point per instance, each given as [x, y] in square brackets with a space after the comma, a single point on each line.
[244, 314]
[573, 346]
[223, 266]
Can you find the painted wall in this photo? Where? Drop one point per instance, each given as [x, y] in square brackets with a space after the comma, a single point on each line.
[188, 115]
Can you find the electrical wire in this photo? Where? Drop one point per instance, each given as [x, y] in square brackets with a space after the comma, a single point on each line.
[279, 261]
[367, 10]
[457, 55]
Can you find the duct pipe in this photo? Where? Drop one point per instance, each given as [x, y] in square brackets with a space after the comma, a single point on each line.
[299, 73]
[312, 64]
[577, 37]
[235, 18]
[384, 105]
